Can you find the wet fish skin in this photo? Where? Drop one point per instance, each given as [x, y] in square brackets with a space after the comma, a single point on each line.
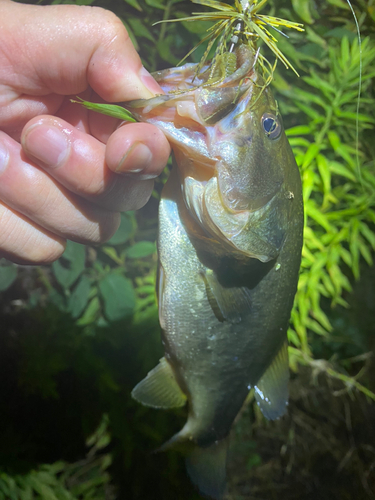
[230, 238]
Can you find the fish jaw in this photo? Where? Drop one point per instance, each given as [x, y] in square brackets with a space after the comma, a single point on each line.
[246, 174]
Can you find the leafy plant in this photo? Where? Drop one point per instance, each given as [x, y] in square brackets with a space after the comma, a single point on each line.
[93, 285]
[104, 298]
[338, 183]
[84, 480]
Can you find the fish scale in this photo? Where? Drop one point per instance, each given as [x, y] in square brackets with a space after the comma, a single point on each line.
[230, 238]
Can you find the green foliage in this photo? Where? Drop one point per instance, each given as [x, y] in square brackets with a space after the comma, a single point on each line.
[84, 480]
[93, 286]
[338, 181]
[118, 296]
[70, 265]
[8, 274]
[339, 198]
[95, 309]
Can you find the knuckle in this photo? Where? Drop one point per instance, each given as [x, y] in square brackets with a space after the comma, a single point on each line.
[112, 27]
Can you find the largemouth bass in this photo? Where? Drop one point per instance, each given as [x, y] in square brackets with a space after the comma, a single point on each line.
[230, 238]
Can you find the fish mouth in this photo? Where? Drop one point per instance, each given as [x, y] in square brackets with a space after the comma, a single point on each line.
[258, 233]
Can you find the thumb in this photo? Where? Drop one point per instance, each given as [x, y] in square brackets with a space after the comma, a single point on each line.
[68, 48]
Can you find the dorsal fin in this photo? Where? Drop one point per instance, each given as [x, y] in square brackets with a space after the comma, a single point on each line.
[160, 388]
[228, 303]
[271, 391]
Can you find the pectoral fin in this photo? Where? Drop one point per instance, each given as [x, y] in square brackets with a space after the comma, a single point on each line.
[271, 392]
[228, 303]
[160, 388]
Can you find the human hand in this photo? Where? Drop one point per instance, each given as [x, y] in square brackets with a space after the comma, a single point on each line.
[66, 173]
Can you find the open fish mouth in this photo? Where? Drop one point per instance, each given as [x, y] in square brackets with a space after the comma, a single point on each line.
[225, 132]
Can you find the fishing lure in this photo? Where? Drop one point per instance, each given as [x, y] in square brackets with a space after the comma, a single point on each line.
[233, 24]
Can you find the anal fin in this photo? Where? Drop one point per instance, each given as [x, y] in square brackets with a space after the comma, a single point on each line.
[271, 391]
[159, 389]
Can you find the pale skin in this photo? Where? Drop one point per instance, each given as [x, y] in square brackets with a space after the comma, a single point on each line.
[66, 173]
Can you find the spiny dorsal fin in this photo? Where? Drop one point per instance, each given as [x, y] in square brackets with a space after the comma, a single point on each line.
[160, 389]
[207, 468]
[229, 304]
[271, 392]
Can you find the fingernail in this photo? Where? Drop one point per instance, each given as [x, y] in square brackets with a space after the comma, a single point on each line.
[4, 157]
[47, 144]
[149, 82]
[136, 162]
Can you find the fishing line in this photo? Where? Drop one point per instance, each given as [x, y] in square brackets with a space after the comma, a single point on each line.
[359, 91]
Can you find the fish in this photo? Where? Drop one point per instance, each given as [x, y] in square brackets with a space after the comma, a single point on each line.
[229, 247]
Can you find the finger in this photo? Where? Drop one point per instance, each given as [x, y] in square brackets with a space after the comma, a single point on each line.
[30, 191]
[70, 48]
[140, 149]
[23, 242]
[77, 160]
[76, 114]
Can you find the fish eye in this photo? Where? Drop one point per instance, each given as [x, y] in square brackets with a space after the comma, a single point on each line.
[271, 126]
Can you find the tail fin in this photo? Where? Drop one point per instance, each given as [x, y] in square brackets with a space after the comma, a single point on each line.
[207, 468]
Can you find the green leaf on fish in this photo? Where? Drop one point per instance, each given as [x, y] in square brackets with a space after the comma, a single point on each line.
[242, 20]
[113, 110]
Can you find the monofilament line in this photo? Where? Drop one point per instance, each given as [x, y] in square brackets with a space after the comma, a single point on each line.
[359, 90]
